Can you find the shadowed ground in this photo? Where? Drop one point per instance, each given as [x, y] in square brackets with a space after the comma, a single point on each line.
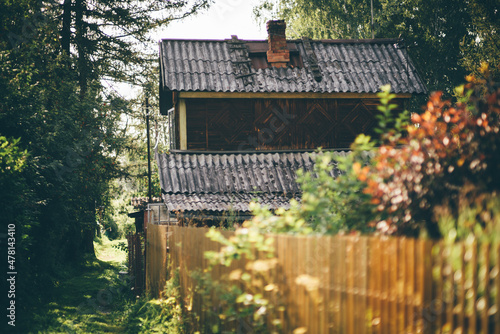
[91, 299]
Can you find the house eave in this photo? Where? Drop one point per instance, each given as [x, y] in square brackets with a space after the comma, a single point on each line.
[281, 95]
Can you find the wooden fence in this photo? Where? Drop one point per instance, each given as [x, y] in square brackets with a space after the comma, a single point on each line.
[136, 261]
[156, 258]
[356, 284]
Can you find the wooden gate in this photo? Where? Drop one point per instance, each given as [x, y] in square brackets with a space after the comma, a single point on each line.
[136, 261]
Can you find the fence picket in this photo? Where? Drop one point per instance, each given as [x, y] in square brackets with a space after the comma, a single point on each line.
[486, 286]
[429, 314]
[377, 286]
[473, 316]
[496, 314]
[350, 286]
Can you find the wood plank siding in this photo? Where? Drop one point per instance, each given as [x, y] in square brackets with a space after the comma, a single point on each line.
[278, 124]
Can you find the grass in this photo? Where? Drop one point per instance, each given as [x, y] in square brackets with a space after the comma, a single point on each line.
[95, 299]
[92, 299]
[109, 251]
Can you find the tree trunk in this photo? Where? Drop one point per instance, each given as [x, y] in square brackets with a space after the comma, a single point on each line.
[88, 234]
[80, 45]
[66, 27]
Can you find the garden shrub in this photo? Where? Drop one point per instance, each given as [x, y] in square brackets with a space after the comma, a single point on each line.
[449, 146]
[162, 315]
[478, 215]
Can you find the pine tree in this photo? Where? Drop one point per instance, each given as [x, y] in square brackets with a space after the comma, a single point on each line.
[53, 57]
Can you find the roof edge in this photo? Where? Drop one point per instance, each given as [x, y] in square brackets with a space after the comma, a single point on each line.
[330, 41]
[258, 152]
[283, 95]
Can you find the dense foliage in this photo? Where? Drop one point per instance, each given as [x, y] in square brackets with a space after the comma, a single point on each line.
[72, 144]
[446, 39]
[63, 132]
[451, 150]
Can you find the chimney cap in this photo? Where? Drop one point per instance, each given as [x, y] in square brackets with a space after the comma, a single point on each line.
[280, 24]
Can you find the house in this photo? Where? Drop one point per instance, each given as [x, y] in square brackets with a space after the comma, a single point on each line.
[243, 114]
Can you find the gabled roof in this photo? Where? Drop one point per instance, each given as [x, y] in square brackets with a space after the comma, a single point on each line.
[223, 181]
[345, 66]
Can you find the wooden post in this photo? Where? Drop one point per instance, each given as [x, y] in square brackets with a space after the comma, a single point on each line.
[149, 150]
[182, 124]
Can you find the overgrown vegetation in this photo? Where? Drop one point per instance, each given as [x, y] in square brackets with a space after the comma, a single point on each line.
[162, 315]
[94, 298]
[451, 153]
[64, 129]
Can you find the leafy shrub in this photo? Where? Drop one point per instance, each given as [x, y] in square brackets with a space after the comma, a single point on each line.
[158, 315]
[478, 215]
[329, 205]
[448, 147]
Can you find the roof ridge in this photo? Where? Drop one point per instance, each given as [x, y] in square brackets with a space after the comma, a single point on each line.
[297, 40]
[257, 152]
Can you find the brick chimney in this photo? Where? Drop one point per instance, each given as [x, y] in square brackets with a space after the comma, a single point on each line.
[277, 54]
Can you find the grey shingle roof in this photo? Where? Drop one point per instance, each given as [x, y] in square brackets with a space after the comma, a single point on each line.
[217, 182]
[349, 66]
[224, 202]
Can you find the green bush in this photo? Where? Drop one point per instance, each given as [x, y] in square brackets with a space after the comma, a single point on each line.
[449, 147]
[159, 315]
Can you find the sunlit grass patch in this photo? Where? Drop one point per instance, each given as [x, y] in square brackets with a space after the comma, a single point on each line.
[110, 251]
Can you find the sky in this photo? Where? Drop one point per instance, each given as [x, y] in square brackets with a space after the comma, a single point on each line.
[223, 19]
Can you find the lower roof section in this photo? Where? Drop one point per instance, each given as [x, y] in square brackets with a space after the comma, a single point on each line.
[238, 202]
[229, 181]
[222, 173]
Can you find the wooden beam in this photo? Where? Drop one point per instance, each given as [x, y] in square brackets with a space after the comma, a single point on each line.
[182, 124]
[245, 95]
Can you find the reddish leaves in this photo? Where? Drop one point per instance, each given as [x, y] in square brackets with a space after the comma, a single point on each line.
[448, 146]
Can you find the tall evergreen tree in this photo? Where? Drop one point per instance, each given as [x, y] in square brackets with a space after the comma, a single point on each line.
[107, 36]
[53, 57]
